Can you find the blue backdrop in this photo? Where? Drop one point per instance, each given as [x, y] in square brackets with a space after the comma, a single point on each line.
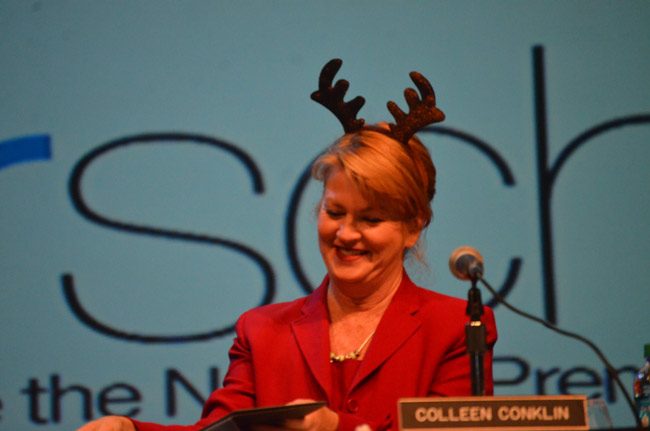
[152, 161]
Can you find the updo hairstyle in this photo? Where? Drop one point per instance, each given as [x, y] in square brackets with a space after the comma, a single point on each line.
[398, 179]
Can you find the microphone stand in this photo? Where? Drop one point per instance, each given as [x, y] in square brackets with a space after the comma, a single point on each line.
[475, 338]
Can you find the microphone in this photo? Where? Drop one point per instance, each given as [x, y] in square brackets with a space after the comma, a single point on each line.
[466, 263]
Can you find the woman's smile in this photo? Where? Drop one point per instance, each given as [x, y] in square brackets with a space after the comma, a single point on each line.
[349, 255]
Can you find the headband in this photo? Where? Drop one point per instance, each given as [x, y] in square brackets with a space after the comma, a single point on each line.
[422, 111]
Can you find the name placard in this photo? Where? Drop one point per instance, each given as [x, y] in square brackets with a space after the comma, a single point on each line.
[539, 413]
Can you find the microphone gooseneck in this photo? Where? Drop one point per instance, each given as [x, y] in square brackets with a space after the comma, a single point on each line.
[461, 262]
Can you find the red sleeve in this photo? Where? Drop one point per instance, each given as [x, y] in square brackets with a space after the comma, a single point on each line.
[237, 393]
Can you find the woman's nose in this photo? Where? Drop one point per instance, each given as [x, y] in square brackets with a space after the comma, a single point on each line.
[348, 230]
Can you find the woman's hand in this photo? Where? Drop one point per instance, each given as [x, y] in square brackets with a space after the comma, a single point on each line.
[109, 423]
[322, 419]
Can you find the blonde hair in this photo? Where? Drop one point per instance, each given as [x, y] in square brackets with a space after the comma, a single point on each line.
[400, 179]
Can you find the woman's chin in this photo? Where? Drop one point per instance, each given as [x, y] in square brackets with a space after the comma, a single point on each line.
[347, 278]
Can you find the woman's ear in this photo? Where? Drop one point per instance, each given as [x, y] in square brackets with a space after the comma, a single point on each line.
[413, 231]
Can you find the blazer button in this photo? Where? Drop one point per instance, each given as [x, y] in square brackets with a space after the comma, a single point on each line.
[353, 405]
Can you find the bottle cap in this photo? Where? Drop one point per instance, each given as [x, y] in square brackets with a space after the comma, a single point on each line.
[646, 350]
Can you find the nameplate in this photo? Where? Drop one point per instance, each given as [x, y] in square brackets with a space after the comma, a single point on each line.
[539, 413]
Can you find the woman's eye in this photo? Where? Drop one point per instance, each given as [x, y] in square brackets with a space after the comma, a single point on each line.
[373, 220]
[333, 214]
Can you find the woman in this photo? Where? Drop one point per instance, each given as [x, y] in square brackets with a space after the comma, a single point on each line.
[367, 335]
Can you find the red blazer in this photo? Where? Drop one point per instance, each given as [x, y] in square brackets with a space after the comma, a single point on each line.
[281, 352]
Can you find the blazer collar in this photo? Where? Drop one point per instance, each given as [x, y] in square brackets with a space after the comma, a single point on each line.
[311, 331]
[397, 324]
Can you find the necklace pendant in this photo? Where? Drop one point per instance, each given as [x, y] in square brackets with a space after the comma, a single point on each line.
[340, 358]
[352, 355]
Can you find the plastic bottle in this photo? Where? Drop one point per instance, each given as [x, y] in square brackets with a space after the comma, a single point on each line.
[642, 389]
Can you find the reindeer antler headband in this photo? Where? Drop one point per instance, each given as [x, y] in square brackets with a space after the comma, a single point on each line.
[422, 112]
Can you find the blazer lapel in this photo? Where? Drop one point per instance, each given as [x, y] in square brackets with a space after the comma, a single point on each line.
[398, 323]
[311, 331]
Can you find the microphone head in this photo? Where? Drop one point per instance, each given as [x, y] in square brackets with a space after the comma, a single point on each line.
[466, 263]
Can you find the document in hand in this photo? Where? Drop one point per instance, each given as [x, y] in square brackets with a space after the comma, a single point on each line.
[242, 420]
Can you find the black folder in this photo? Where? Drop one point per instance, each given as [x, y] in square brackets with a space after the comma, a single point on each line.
[243, 420]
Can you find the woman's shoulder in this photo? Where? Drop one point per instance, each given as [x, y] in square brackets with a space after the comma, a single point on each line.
[441, 304]
[278, 311]
[432, 298]
[441, 310]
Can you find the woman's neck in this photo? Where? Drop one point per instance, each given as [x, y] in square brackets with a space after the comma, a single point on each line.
[342, 303]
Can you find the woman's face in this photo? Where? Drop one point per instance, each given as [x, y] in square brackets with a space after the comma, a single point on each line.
[360, 247]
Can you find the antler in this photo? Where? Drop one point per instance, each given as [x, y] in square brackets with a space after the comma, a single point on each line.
[421, 112]
[331, 97]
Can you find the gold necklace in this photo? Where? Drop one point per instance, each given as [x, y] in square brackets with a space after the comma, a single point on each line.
[352, 355]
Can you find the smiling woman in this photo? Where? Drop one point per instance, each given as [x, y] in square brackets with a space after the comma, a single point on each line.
[368, 335]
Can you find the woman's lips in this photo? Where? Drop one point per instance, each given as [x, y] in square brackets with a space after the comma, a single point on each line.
[349, 254]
